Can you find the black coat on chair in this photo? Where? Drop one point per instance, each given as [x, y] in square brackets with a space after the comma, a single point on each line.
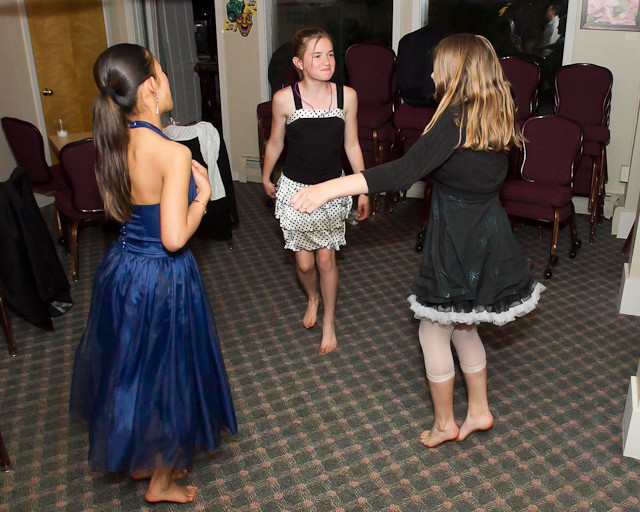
[223, 213]
[414, 65]
[32, 279]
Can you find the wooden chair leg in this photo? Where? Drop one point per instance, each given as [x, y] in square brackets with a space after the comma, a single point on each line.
[374, 202]
[74, 249]
[602, 180]
[594, 200]
[376, 148]
[553, 258]
[8, 331]
[627, 242]
[5, 461]
[64, 230]
[576, 243]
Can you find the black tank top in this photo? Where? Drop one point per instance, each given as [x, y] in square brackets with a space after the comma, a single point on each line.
[315, 139]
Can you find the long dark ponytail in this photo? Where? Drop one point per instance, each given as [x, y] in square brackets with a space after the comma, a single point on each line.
[118, 73]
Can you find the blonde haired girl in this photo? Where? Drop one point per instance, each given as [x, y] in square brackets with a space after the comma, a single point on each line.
[472, 270]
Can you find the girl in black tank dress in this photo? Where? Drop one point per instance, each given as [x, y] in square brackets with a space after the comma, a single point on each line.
[472, 270]
[318, 119]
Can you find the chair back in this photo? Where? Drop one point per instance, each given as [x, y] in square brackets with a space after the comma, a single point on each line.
[552, 147]
[410, 123]
[78, 165]
[281, 71]
[264, 112]
[27, 146]
[583, 94]
[371, 69]
[524, 77]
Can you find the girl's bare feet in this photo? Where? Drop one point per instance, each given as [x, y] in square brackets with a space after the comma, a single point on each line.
[474, 423]
[311, 315]
[173, 493]
[437, 435]
[162, 487]
[329, 341]
[143, 475]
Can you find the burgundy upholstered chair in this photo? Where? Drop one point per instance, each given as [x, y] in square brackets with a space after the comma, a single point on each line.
[583, 94]
[265, 115]
[524, 76]
[409, 123]
[280, 76]
[27, 146]
[552, 147]
[371, 70]
[81, 202]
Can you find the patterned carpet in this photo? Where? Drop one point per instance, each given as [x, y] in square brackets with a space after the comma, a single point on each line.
[340, 431]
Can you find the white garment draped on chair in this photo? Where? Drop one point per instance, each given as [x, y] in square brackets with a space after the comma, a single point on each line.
[209, 140]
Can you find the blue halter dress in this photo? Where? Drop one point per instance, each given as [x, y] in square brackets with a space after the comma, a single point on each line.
[148, 376]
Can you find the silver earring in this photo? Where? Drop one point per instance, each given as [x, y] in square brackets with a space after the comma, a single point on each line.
[157, 105]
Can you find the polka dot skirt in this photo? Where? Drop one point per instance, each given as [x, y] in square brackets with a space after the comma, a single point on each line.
[323, 228]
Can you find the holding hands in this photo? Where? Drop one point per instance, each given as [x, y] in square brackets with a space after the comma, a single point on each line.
[308, 200]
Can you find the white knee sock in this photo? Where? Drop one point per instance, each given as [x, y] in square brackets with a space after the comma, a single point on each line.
[469, 348]
[435, 340]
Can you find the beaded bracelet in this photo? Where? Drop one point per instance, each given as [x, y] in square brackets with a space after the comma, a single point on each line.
[203, 205]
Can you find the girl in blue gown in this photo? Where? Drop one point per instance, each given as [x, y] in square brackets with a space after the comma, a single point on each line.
[148, 377]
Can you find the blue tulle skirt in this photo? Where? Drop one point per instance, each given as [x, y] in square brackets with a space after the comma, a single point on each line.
[148, 377]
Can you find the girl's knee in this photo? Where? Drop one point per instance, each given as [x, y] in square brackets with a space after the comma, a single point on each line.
[326, 260]
[306, 267]
[305, 262]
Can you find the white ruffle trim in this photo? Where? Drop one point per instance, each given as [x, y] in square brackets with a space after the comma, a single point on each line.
[475, 317]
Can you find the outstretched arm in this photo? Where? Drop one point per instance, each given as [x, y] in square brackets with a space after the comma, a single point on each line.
[311, 198]
[427, 154]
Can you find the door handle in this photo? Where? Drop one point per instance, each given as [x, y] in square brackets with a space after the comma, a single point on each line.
[47, 92]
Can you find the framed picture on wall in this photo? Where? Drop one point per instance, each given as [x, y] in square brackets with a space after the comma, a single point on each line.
[610, 15]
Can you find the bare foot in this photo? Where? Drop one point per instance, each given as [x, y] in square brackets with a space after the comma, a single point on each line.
[329, 341]
[173, 493]
[474, 423]
[311, 315]
[143, 475]
[436, 436]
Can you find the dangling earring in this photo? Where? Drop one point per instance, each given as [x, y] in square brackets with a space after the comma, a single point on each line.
[157, 105]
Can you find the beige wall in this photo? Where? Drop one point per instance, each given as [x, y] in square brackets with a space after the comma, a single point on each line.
[16, 93]
[240, 82]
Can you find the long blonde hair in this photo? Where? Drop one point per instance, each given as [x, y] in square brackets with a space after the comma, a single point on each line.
[467, 73]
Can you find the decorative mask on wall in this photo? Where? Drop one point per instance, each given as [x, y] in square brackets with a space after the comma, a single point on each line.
[234, 9]
[245, 22]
